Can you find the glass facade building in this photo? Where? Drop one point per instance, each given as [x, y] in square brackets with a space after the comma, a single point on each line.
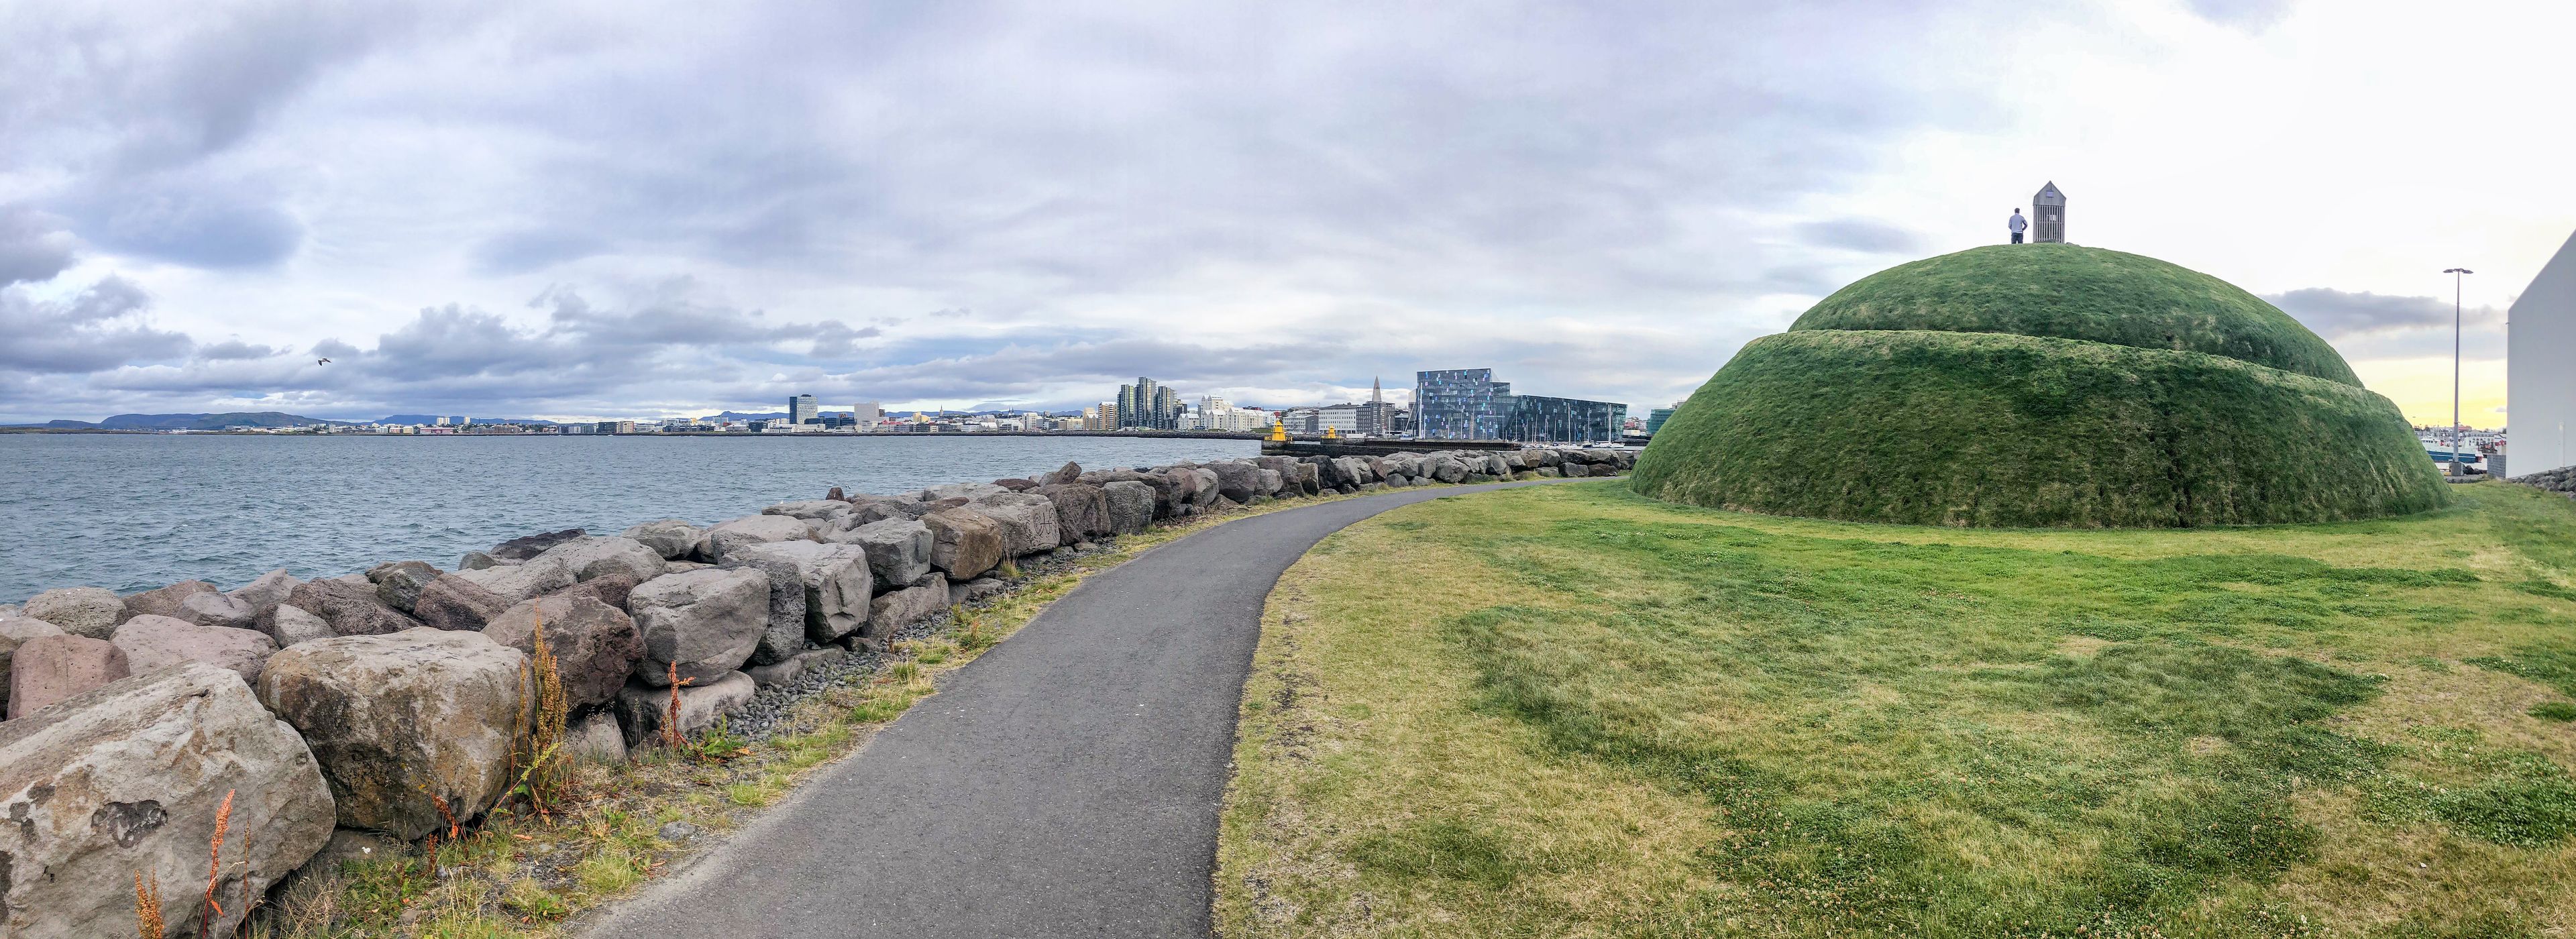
[1468, 404]
[1460, 404]
[1540, 419]
[1655, 419]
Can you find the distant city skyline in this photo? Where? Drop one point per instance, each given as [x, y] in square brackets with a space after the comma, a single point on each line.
[972, 205]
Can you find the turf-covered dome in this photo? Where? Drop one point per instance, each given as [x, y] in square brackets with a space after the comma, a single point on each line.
[2042, 385]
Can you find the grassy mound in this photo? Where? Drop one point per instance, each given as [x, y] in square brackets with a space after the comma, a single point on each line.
[2072, 292]
[1979, 429]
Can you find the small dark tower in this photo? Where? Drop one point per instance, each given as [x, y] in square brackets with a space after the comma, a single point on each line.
[2048, 215]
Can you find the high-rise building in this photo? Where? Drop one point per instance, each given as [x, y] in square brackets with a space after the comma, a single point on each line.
[866, 414]
[2539, 385]
[1460, 404]
[803, 409]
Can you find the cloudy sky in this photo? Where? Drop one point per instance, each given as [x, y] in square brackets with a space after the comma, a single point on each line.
[642, 208]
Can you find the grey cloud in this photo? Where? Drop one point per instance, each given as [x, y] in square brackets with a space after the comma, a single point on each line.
[1860, 234]
[194, 221]
[30, 248]
[235, 349]
[100, 327]
[2337, 314]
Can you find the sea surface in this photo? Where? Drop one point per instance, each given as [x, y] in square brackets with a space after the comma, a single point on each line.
[134, 512]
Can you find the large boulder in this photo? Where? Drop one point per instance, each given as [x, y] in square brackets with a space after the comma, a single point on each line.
[1081, 512]
[522, 579]
[591, 558]
[265, 592]
[288, 625]
[706, 621]
[155, 642]
[880, 508]
[642, 708]
[1207, 492]
[403, 722]
[898, 549]
[399, 583]
[1070, 472]
[964, 543]
[1130, 505]
[897, 609]
[1028, 522]
[164, 601]
[1446, 468]
[748, 530]
[521, 549]
[455, 602]
[961, 491]
[595, 645]
[596, 738]
[818, 592]
[671, 538]
[80, 611]
[15, 630]
[811, 509]
[1237, 480]
[46, 669]
[215, 609]
[129, 778]
[353, 608]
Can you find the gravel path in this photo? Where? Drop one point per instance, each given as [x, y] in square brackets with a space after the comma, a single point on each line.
[1066, 783]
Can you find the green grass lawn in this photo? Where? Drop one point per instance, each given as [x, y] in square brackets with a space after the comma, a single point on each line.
[1570, 710]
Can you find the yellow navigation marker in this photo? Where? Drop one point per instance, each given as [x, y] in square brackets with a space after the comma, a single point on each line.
[1331, 434]
[1278, 431]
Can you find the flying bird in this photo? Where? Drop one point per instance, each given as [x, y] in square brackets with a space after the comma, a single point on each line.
[321, 361]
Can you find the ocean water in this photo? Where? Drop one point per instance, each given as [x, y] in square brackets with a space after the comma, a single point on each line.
[134, 512]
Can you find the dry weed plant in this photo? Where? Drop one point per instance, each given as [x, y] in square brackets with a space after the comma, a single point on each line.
[147, 905]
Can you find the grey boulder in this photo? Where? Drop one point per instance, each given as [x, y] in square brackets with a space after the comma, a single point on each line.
[352, 609]
[749, 530]
[961, 491]
[898, 548]
[1081, 511]
[705, 621]
[1130, 504]
[595, 645]
[153, 642]
[642, 709]
[215, 609]
[964, 543]
[671, 538]
[80, 611]
[1028, 522]
[831, 584]
[455, 602]
[399, 583]
[896, 609]
[521, 549]
[289, 625]
[810, 509]
[129, 777]
[403, 722]
[265, 592]
[164, 601]
[592, 558]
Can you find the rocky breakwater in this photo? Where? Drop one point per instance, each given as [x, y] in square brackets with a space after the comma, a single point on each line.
[392, 701]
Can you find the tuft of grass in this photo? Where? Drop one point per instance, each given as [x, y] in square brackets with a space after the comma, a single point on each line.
[2560, 711]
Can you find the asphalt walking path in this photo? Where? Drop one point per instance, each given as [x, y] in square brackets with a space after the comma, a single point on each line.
[1065, 783]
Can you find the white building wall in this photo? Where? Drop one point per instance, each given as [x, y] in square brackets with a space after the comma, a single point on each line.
[2540, 369]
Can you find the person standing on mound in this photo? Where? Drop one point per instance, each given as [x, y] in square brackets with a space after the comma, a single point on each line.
[2017, 224]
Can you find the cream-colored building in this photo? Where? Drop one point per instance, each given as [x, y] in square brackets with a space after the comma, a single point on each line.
[2540, 368]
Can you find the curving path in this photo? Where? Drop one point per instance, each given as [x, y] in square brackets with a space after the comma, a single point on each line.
[1066, 783]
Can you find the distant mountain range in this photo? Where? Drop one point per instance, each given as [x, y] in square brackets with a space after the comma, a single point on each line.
[190, 421]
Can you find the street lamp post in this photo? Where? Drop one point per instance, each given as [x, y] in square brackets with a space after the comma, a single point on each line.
[2456, 273]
